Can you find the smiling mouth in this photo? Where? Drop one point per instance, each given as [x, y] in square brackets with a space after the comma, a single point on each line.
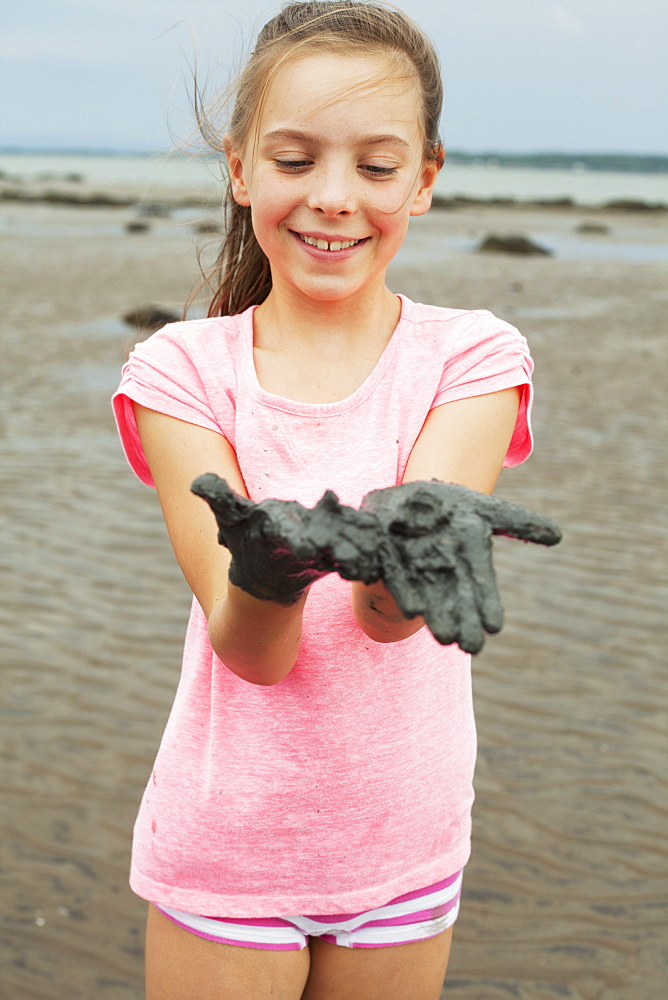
[325, 245]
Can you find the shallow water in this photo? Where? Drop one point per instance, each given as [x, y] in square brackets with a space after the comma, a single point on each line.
[155, 172]
[632, 242]
[88, 222]
[567, 247]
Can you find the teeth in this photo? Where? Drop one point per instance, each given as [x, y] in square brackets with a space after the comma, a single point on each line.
[324, 245]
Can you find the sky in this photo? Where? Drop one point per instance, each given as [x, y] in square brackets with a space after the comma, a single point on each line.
[520, 75]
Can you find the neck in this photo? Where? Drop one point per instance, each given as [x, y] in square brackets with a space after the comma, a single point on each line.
[321, 352]
[327, 326]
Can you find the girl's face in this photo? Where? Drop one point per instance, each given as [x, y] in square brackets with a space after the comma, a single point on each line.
[337, 171]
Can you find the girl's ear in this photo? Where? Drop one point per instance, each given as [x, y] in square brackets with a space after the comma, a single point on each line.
[236, 171]
[422, 199]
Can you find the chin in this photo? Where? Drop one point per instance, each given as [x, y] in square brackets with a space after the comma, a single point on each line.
[328, 294]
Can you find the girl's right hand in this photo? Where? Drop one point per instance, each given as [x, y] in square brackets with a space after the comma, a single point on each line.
[258, 640]
[279, 548]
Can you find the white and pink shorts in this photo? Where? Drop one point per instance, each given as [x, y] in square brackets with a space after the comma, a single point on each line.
[414, 916]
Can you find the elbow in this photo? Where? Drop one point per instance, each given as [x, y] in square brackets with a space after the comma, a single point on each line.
[256, 671]
[381, 629]
[257, 642]
[381, 632]
[260, 679]
[378, 615]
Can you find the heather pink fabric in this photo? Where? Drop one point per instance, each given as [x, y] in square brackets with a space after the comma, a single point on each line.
[350, 782]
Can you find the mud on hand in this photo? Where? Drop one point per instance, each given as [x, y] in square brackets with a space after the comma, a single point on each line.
[436, 554]
[279, 548]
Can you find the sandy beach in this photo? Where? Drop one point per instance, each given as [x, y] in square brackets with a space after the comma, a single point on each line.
[565, 894]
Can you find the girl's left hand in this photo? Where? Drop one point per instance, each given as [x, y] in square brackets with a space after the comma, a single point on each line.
[436, 554]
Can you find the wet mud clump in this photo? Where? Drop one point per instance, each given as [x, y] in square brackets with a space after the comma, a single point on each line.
[429, 542]
[279, 548]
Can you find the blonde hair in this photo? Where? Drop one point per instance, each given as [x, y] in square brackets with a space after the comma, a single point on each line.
[241, 275]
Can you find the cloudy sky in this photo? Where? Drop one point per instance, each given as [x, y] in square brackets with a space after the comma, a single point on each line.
[521, 75]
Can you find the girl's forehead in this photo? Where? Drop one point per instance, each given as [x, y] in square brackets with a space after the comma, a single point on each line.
[337, 91]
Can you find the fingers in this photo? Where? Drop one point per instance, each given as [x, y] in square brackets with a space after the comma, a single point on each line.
[510, 519]
[455, 616]
[475, 550]
[427, 577]
[443, 569]
[329, 537]
[229, 507]
[441, 619]
[410, 508]
[420, 506]
[398, 574]
[283, 523]
[352, 538]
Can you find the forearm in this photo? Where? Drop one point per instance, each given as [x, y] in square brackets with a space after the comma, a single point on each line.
[378, 615]
[257, 640]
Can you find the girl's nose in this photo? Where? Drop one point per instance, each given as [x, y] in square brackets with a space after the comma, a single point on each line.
[332, 193]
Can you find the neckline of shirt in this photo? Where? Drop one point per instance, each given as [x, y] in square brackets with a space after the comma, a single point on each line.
[323, 409]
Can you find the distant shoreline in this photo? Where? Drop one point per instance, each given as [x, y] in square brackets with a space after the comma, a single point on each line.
[97, 199]
[176, 181]
[638, 163]
[612, 162]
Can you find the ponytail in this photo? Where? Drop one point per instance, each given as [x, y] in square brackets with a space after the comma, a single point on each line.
[245, 277]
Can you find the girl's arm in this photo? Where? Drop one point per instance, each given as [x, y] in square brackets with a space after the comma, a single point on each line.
[463, 442]
[257, 640]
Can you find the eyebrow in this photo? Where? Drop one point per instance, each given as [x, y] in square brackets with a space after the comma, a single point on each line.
[313, 139]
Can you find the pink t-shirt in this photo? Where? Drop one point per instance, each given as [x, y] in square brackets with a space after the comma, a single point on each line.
[350, 781]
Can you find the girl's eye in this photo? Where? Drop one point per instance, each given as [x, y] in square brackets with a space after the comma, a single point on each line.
[292, 164]
[371, 169]
[375, 171]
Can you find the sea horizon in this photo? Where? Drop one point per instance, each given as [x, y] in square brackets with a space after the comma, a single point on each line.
[545, 159]
[586, 179]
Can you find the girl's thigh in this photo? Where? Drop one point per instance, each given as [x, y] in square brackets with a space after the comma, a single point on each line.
[183, 966]
[413, 971]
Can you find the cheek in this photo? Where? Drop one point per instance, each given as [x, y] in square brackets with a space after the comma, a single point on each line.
[391, 219]
[392, 202]
[270, 203]
[266, 215]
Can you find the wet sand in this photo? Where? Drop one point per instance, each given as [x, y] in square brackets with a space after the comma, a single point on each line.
[565, 893]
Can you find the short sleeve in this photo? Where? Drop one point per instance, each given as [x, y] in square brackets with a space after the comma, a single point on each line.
[163, 374]
[488, 356]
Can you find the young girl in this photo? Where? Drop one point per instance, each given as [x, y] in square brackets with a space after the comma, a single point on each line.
[305, 826]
